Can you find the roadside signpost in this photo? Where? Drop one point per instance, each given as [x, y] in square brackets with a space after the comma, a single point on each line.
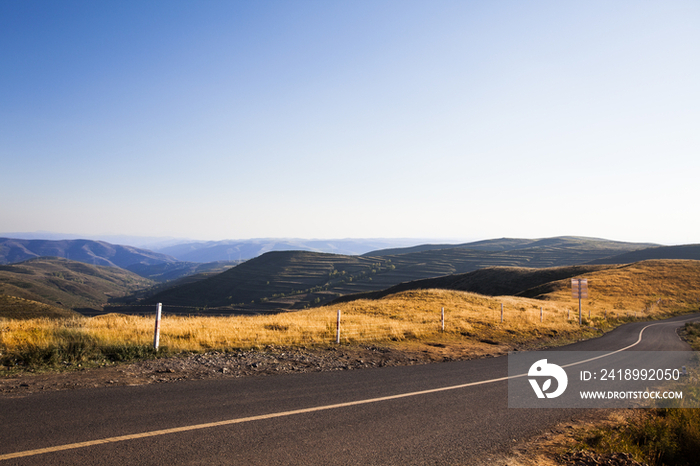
[579, 289]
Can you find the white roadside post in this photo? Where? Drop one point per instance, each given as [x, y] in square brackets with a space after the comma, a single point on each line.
[156, 336]
[337, 329]
[501, 312]
[541, 314]
[442, 318]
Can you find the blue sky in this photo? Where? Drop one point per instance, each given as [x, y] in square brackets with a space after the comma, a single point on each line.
[366, 119]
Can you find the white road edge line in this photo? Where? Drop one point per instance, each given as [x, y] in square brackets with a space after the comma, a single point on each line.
[174, 430]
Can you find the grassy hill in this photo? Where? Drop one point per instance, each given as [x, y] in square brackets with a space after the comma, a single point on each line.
[12, 307]
[297, 279]
[67, 284]
[642, 286]
[86, 251]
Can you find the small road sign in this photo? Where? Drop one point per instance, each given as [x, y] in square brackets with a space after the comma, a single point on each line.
[579, 289]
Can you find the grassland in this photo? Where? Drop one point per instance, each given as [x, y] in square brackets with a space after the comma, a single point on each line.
[649, 290]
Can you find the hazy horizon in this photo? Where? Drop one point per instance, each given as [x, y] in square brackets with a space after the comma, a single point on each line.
[162, 241]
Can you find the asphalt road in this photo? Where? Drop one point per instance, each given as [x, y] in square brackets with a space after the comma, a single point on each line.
[447, 413]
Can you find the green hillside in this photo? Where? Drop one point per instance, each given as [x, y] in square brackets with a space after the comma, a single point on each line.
[686, 251]
[67, 284]
[490, 281]
[286, 279]
[297, 279]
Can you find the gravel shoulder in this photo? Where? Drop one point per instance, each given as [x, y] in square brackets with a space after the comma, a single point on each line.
[269, 361]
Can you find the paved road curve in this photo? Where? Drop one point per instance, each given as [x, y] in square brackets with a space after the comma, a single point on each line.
[429, 414]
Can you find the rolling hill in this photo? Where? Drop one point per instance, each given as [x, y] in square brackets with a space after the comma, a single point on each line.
[590, 245]
[686, 251]
[275, 279]
[67, 284]
[297, 279]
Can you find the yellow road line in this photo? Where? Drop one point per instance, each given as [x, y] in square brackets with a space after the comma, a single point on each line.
[208, 425]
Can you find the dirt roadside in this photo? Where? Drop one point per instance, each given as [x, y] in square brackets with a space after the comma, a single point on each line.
[271, 360]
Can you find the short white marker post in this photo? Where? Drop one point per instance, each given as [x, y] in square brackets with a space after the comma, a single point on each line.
[442, 318]
[501, 312]
[337, 329]
[541, 314]
[156, 336]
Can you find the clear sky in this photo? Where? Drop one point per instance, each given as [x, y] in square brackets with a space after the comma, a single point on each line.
[336, 119]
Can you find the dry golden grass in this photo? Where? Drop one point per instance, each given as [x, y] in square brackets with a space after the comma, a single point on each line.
[651, 289]
[405, 316]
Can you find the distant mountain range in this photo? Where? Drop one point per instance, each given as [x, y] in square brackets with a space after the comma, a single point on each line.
[145, 242]
[80, 250]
